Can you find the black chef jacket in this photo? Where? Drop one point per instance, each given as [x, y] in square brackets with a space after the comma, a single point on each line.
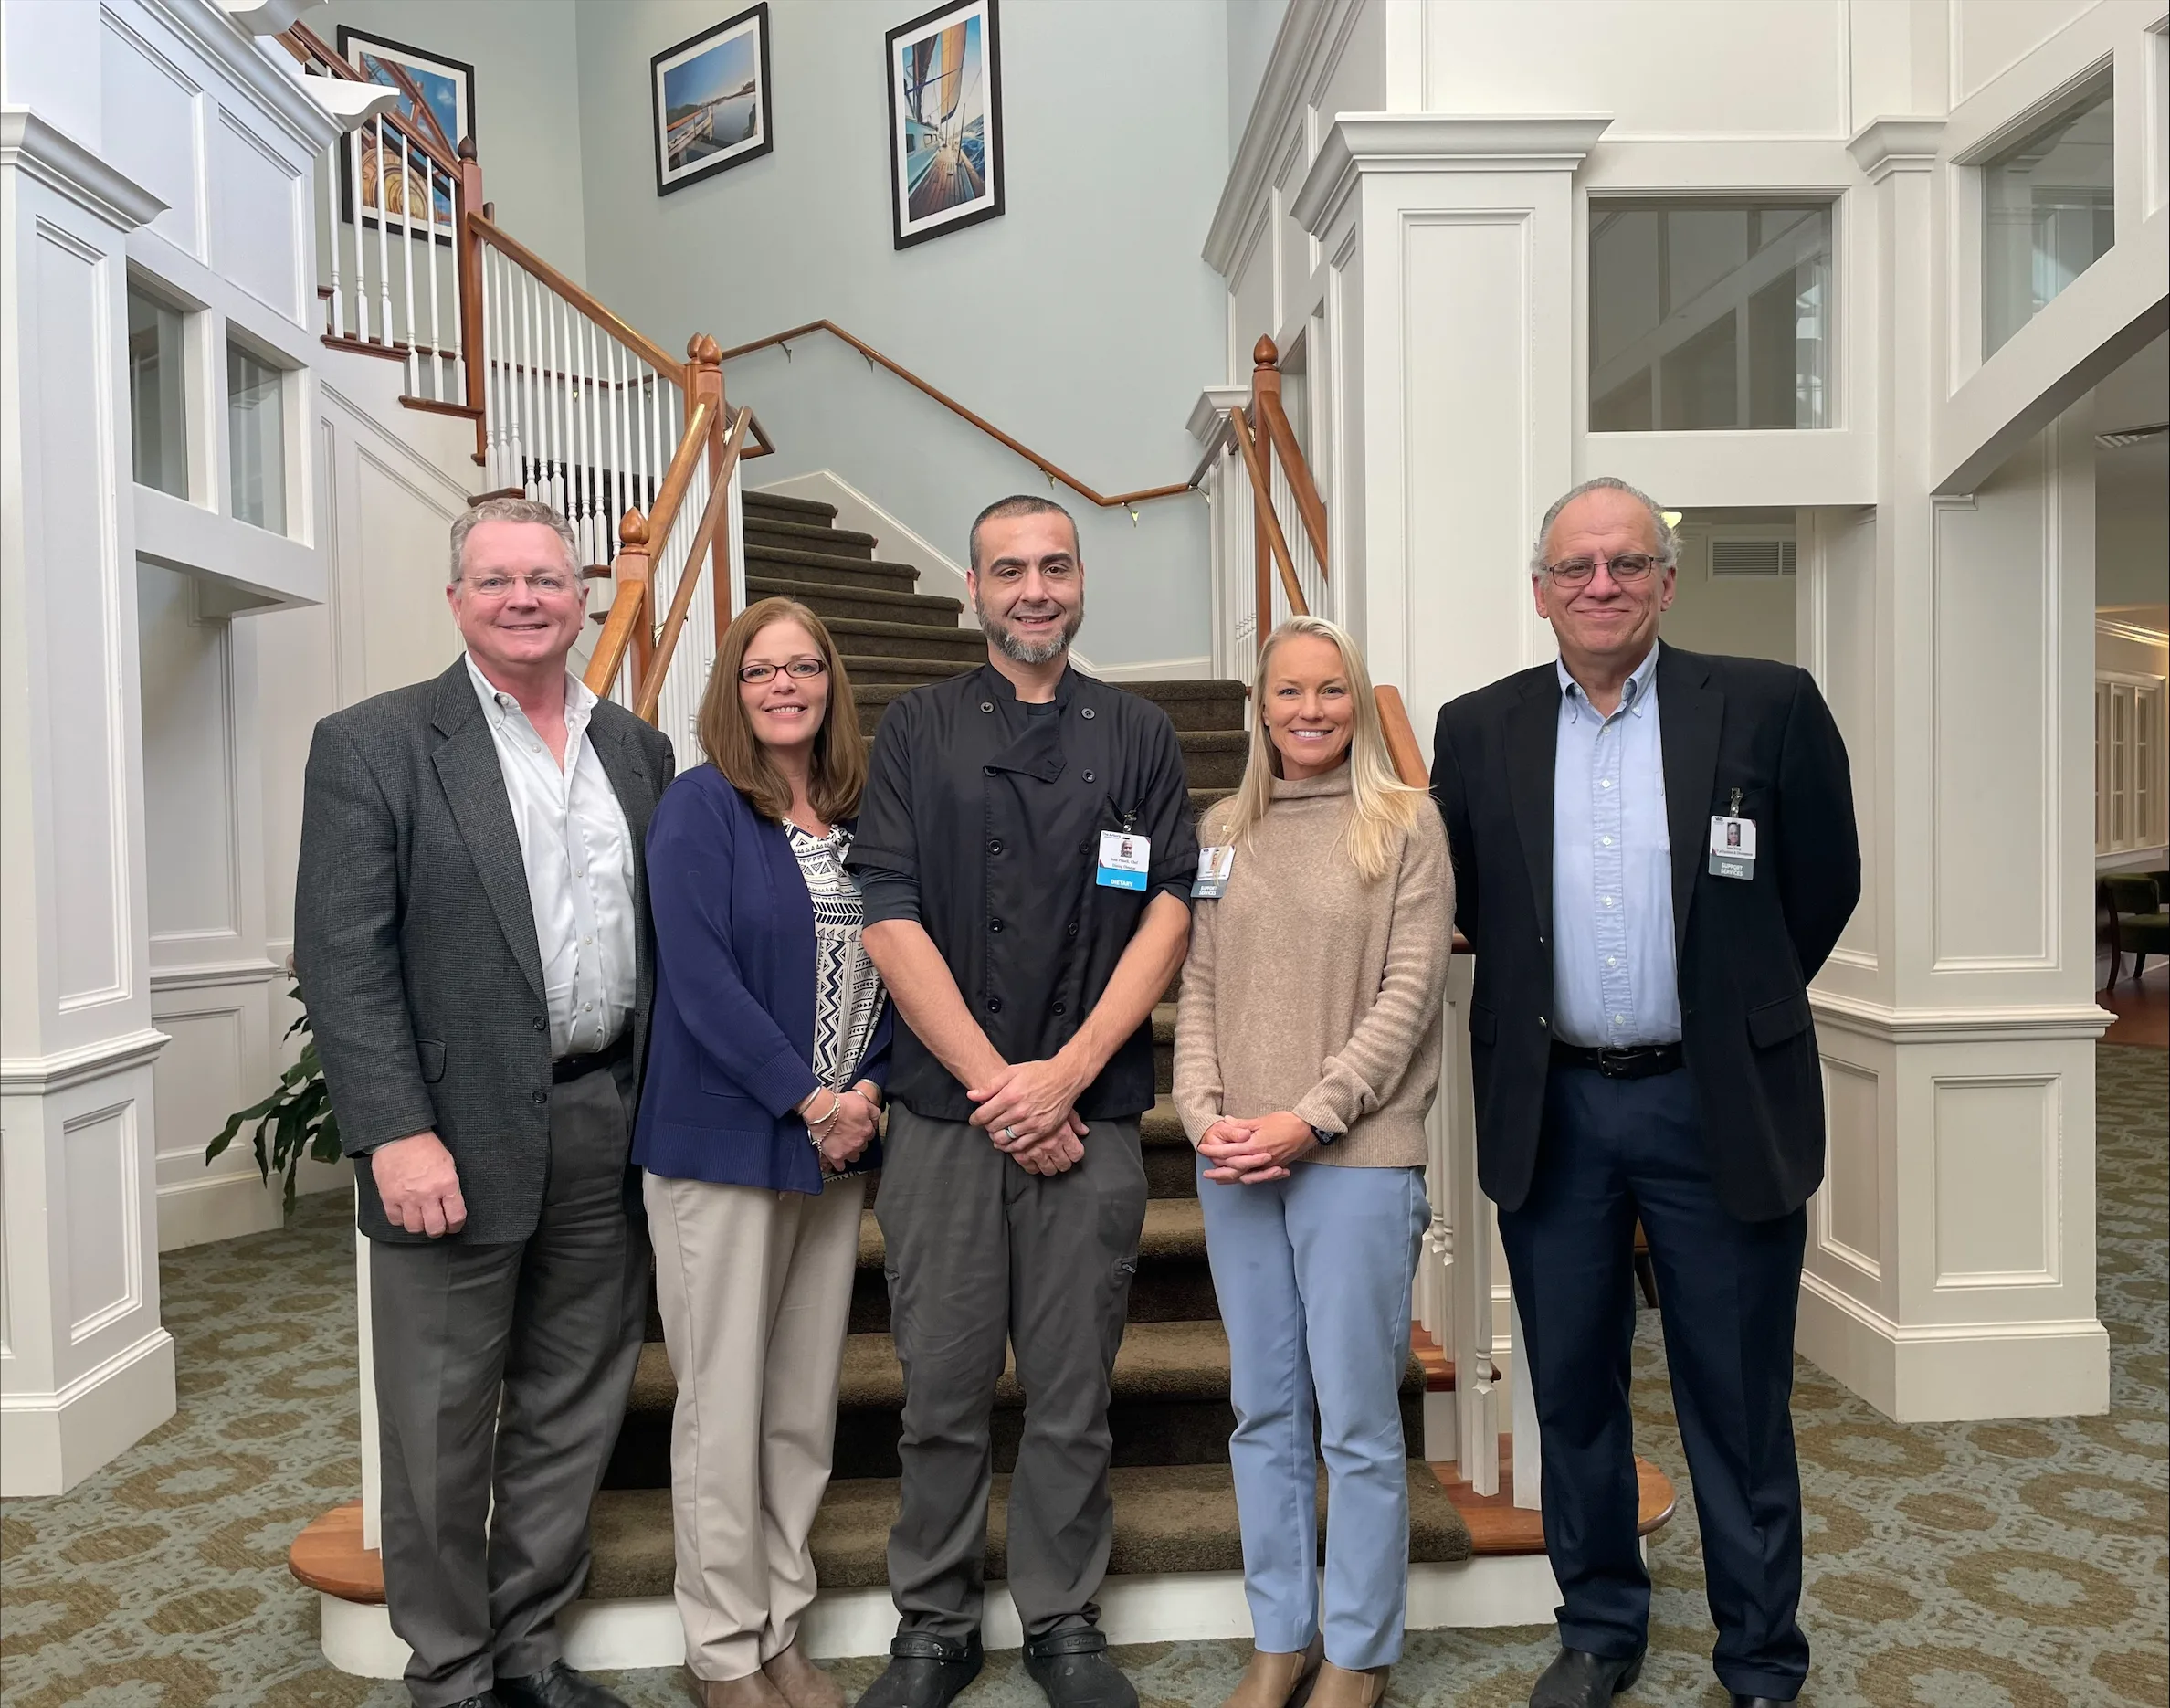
[984, 821]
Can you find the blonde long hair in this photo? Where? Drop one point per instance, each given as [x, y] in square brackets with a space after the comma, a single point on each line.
[1383, 807]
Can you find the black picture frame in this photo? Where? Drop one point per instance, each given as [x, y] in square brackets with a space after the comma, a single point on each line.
[954, 163]
[749, 26]
[353, 44]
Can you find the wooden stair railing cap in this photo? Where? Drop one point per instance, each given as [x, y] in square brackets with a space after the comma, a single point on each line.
[577, 298]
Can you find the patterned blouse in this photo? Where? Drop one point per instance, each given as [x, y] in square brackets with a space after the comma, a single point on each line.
[847, 990]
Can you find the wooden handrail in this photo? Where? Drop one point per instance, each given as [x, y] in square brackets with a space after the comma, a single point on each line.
[1401, 737]
[644, 534]
[1308, 504]
[311, 48]
[1262, 500]
[653, 354]
[681, 597]
[1054, 471]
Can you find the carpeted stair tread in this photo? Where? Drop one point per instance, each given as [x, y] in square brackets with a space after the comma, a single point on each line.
[783, 507]
[841, 604]
[872, 670]
[855, 637]
[789, 563]
[1168, 1518]
[808, 537]
[1175, 1228]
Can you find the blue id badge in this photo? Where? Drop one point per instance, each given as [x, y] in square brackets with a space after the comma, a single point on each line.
[1123, 860]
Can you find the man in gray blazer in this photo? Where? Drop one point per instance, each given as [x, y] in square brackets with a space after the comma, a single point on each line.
[472, 937]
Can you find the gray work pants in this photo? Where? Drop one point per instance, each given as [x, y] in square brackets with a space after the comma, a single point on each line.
[503, 1371]
[981, 1253]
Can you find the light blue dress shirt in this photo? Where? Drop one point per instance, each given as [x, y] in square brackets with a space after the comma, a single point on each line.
[1614, 981]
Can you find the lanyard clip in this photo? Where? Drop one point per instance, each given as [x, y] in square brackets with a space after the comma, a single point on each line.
[1733, 811]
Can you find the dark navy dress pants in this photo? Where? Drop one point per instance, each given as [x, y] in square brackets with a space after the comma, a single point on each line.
[1612, 1151]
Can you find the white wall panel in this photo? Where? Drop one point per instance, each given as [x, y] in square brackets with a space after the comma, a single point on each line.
[257, 240]
[1995, 1138]
[99, 1196]
[67, 389]
[191, 827]
[1990, 36]
[199, 1078]
[1354, 80]
[160, 142]
[405, 624]
[1849, 1208]
[1839, 649]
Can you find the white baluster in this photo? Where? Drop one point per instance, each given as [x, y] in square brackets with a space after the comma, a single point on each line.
[407, 255]
[354, 192]
[383, 219]
[429, 253]
[338, 326]
[493, 343]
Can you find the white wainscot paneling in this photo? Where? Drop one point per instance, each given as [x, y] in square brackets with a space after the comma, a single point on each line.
[1990, 36]
[217, 1060]
[189, 786]
[1465, 313]
[1841, 637]
[257, 240]
[154, 135]
[1996, 1140]
[406, 628]
[1995, 718]
[1849, 1206]
[105, 1276]
[66, 371]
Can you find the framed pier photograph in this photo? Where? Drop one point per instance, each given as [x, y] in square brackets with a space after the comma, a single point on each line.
[711, 101]
[944, 72]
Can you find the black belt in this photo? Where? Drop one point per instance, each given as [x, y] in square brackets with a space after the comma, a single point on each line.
[566, 1068]
[1640, 1063]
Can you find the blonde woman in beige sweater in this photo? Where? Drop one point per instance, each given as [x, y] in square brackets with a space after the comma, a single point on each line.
[1307, 1053]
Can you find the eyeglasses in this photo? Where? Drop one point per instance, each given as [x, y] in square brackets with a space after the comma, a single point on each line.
[754, 675]
[542, 586]
[1627, 569]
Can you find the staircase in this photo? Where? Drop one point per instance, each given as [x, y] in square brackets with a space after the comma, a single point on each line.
[1175, 1502]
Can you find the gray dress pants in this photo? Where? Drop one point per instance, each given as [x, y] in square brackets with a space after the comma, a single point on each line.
[981, 1254]
[502, 1376]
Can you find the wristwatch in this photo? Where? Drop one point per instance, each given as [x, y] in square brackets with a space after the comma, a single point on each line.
[1323, 1137]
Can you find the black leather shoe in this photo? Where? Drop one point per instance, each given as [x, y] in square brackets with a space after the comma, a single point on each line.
[1073, 1668]
[1740, 1700]
[1579, 1679]
[556, 1686]
[925, 1671]
[486, 1700]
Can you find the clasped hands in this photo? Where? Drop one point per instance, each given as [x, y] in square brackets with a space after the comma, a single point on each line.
[843, 1137]
[1027, 1110]
[1252, 1150]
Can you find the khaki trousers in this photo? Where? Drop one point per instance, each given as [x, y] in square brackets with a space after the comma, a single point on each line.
[755, 1292]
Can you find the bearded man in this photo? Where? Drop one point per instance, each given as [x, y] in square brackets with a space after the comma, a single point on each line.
[1025, 850]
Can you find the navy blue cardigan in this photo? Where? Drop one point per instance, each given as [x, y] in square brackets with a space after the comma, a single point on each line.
[731, 1041]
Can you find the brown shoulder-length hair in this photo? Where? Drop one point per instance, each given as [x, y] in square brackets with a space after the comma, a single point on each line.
[839, 769]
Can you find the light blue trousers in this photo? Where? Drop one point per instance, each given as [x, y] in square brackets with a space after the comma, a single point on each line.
[1313, 1274]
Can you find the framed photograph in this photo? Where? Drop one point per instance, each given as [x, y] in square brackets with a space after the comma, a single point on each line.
[438, 96]
[944, 72]
[711, 101]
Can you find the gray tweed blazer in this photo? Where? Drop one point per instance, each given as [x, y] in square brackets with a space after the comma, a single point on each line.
[415, 940]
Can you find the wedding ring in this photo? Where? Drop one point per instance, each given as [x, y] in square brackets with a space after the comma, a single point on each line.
[1010, 1134]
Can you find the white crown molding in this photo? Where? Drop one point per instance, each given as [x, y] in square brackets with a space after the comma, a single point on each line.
[1212, 409]
[1305, 27]
[2003, 1023]
[266, 17]
[263, 71]
[57, 160]
[34, 1075]
[1358, 142]
[1883, 146]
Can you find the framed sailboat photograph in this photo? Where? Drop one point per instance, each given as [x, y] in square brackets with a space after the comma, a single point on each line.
[711, 97]
[944, 72]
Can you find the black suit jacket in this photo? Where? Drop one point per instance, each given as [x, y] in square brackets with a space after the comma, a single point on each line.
[1745, 951]
[415, 940]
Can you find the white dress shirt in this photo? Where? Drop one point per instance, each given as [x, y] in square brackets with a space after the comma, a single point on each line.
[578, 851]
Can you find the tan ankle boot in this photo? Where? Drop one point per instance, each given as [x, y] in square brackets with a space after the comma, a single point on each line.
[1339, 1688]
[800, 1682]
[753, 1690]
[1272, 1681]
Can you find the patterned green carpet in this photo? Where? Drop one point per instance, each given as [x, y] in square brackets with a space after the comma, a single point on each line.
[1960, 1566]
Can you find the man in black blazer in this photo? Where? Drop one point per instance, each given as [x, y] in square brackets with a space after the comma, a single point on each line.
[471, 934]
[1654, 852]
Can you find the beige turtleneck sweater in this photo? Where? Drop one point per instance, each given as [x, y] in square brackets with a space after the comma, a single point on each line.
[1310, 990]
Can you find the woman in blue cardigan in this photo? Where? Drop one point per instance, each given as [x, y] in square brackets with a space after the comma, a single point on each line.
[768, 1055]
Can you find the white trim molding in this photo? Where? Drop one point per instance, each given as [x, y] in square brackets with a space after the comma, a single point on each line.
[31, 1076]
[61, 162]
[1359, 142]
[1995, 1024]
[55, 1440]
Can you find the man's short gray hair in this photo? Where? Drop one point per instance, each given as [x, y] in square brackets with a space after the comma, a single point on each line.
[512, 510]
[1669, 545]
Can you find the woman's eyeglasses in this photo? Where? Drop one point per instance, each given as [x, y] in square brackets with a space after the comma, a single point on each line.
[754, 675]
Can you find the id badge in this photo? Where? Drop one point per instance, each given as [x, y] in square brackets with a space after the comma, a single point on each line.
[1732, 847]
[1214, 865]
[1124, 859]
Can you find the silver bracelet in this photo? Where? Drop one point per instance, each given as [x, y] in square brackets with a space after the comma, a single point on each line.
[836, 1103]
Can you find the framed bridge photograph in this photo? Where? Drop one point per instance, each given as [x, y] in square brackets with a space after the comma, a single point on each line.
[711, 101]
[436, 95]
[944, 72]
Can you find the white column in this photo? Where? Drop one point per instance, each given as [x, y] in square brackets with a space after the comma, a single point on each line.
[85, 1368]
[1951, 1268]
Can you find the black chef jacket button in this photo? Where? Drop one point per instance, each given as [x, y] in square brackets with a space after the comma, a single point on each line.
[1087, 712]
[1059, 1009]
[993, 924]
[995, 846]
[1073, 928]
[986, 705]
[987, 771]
[1084, 847]
[1089, 776]
[993, 1004]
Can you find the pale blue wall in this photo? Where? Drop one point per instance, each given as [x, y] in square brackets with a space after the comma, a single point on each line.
[1252, 26]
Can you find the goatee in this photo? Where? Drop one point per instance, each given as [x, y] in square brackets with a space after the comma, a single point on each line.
[1022, 651]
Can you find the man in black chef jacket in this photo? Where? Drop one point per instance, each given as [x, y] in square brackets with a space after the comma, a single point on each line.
[1025, 850]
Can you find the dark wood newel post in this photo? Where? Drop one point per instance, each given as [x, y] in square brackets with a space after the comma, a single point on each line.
[469, 262]
[634, 580]
[704, 384]
[1265, 380]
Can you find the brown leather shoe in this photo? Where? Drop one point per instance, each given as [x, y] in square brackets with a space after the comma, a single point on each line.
[753, 1690]
[801, 1683]
[1339, 1688]
[1277, 1681]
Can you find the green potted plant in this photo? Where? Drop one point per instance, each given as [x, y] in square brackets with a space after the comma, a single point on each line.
[296, 1120]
